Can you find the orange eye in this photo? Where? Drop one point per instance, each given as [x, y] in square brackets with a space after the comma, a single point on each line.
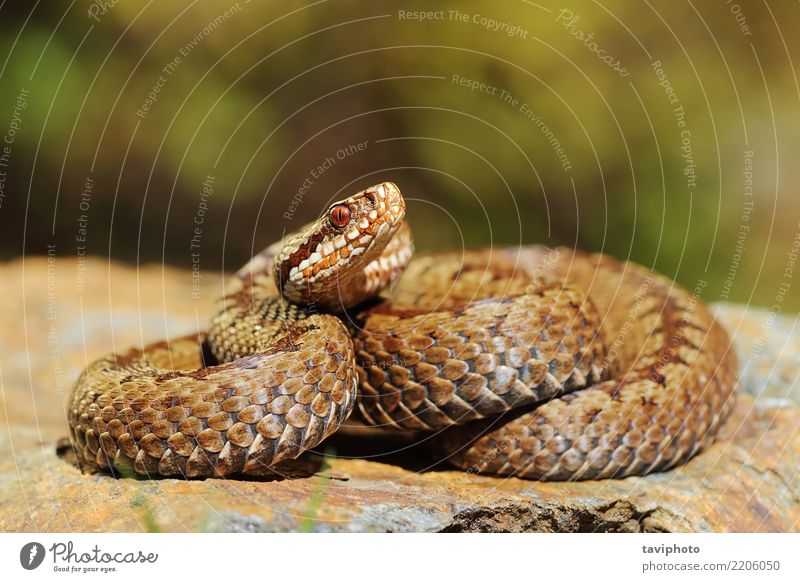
[339, 215]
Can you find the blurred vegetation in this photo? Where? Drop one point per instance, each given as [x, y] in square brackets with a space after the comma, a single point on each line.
[262, 95]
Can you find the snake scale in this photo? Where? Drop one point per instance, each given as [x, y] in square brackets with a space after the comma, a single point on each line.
[539, 363]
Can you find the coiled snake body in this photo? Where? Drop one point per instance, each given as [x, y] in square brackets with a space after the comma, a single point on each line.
[533, 362]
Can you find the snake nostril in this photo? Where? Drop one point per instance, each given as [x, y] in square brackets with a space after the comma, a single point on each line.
[372, 197]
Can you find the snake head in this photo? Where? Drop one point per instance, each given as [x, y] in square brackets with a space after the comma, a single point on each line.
[325, 263]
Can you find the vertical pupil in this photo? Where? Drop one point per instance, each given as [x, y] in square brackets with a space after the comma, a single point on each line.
[340, 215]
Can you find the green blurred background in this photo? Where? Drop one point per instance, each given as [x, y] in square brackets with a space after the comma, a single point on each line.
[145, 100]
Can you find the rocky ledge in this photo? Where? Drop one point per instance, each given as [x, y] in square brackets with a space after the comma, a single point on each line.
[59, 314]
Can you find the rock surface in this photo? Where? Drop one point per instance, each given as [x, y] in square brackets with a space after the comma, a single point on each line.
[57, 316]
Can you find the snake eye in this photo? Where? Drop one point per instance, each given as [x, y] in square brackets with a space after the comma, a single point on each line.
[339, 215]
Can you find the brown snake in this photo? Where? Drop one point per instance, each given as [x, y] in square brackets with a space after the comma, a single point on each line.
[543, 364]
